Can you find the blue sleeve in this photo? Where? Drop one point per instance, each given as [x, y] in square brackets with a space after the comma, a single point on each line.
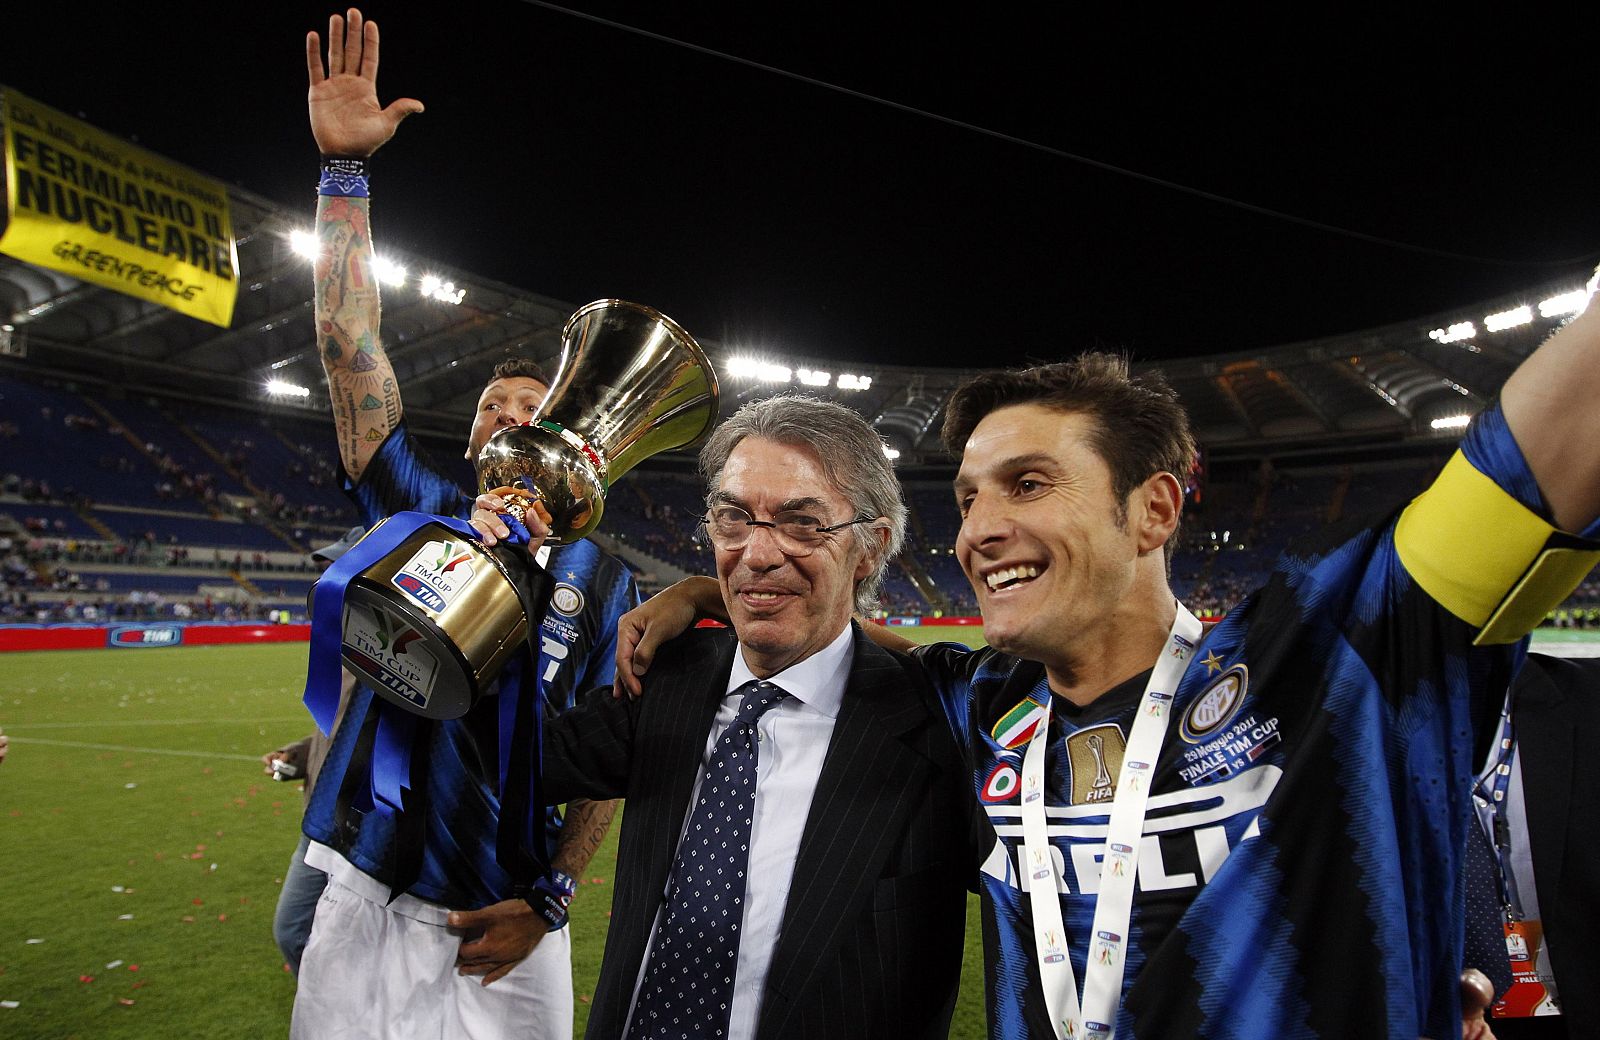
[950, 668]
[401, 476]
[1494, 452]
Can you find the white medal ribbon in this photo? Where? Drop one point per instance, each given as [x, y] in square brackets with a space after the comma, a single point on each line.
[1096, 1016]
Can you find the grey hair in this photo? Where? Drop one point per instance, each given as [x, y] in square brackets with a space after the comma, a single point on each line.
[851, 456]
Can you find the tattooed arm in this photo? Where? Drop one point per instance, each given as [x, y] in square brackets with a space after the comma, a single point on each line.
[582, 832]
[346, 120]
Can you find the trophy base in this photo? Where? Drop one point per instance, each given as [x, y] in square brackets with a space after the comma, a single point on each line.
[431, 624]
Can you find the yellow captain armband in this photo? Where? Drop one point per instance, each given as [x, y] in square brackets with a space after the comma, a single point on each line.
[1485, 557]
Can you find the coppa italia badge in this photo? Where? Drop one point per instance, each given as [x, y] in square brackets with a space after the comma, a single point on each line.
[389, 652]
[436, 574]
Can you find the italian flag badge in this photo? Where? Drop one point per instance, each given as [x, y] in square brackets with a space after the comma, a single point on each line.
[1016, 726]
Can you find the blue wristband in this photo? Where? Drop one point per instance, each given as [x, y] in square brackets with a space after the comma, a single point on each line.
[343, 178]
[550, 896]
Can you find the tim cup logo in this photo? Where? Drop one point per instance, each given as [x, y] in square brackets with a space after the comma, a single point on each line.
[436, 574]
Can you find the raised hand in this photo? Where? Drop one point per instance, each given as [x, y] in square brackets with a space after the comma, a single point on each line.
[346, 118]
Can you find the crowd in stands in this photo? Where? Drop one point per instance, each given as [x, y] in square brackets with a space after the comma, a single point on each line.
[49, 564]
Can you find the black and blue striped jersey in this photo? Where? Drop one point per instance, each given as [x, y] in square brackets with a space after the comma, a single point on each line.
[577, 647]
[1300, 873]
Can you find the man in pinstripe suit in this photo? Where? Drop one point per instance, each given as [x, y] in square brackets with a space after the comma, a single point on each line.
[849, 912]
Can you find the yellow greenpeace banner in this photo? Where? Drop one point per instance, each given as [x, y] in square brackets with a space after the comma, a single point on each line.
[87, 204]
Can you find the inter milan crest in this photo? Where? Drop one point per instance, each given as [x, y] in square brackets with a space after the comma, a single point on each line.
[1215, 704]
[1095, 755]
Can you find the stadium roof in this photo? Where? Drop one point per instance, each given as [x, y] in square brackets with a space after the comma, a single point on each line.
[1377, 386]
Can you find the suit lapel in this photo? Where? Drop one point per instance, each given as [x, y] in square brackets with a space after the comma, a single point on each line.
[676, 755]
[877, 754]
[675, 715]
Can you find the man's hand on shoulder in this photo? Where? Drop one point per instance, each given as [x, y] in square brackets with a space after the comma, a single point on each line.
[346, 118]
[496, 938]
[664, 616]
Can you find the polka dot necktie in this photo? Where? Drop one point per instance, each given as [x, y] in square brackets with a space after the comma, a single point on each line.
[688, 989]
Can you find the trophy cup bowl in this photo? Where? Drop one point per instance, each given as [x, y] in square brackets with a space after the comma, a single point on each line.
[430, 623]
[630, 383]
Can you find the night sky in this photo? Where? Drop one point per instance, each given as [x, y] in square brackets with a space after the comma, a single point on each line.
[579, 160]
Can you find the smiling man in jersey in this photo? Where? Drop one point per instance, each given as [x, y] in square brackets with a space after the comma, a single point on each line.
[1258, 832]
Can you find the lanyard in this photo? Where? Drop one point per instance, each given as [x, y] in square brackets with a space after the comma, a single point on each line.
[1489, 799]
[1096, 1016]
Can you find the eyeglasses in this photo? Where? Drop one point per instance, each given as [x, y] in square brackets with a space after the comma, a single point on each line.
[797, 533]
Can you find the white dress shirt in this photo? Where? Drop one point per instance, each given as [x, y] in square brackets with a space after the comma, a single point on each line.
[794, 735]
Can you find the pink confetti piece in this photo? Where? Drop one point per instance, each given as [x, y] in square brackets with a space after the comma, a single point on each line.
[199, 902]
[85, 978]
[222, 917]
[136, 985]
[200, 847]
[125, 1001]
[135, 967]
[584, 997]
[196, 855]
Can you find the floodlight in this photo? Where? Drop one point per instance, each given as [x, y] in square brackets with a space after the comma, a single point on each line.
[890, 453]
[762, 371]
[435, 288]
[811, 377]
[1451, 422]
[388, 272]
[848, 381]
[1459, 331]
[280, 388]
[304, 243]
[1567, 303]
[1509, 319]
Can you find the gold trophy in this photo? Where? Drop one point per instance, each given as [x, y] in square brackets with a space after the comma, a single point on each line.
[430, 623]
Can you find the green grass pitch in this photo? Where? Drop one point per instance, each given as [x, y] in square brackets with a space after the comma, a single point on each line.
[143, 847]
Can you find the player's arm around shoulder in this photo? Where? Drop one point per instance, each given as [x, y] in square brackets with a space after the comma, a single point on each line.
[1507, 530]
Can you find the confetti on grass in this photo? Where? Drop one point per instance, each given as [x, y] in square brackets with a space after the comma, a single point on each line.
[34, 942]
[16, 1004]
[114, 964]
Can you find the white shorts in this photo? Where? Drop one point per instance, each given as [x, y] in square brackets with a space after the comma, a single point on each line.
[388, 973]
